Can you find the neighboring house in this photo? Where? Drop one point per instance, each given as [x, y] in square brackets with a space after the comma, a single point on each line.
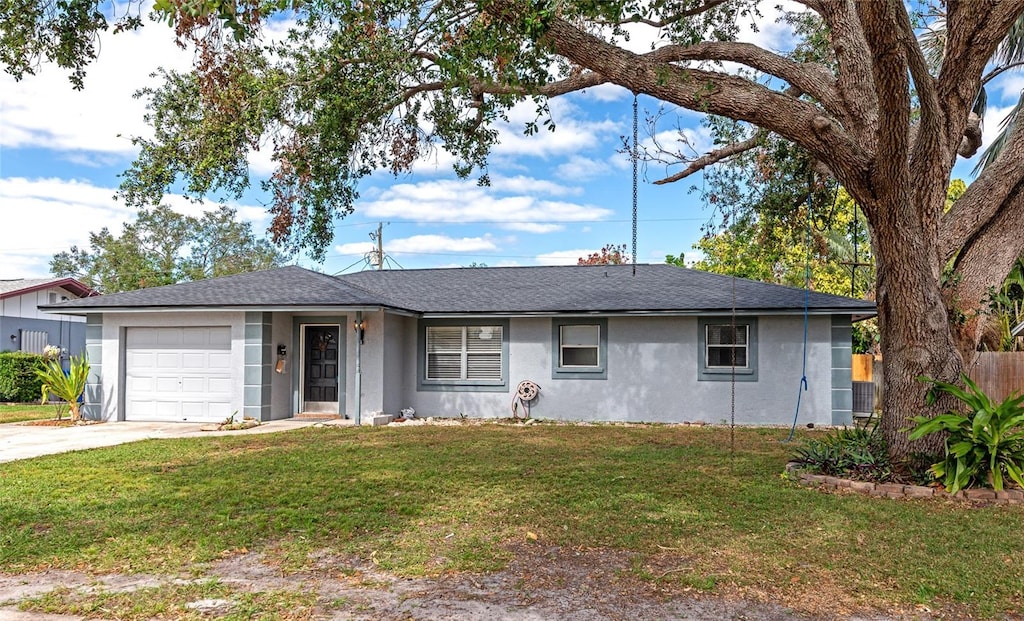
[23, 327]
[602, 343]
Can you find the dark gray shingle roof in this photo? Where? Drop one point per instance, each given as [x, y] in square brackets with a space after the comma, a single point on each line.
[601, 288]
[286, 286]
[558, 289]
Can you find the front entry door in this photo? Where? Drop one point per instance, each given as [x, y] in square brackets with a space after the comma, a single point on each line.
[320, 389]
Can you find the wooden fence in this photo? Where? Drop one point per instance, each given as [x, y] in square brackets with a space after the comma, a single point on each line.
[999, 373]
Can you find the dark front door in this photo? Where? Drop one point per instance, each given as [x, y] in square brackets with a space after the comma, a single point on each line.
[320, 393]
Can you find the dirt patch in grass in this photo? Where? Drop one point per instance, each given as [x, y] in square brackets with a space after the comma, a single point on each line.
[540, 582]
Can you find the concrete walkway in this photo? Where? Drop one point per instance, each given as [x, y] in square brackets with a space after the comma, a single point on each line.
[21, 441]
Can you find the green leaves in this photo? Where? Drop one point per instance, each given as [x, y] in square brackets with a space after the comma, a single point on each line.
[68, 386]
[983, 445]
[163, 247]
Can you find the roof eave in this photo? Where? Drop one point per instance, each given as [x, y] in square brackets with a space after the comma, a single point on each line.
[88, 310]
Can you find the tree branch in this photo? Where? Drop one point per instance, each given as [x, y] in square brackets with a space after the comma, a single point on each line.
[984, 198]
[853, 76]
[975, 30]
[892, 85]
[713, 157]
[637, 19]
[811, 78]
[706, 91]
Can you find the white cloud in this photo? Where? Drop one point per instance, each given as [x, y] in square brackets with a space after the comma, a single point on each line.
[605, 93]
[355, 248]
[532, 185]
[451, 200]
[51, 215]
[419, 244]
[573, 133]
[993, 119]
[43, 111]
[579, 168]
[563, 257]
[94, 126]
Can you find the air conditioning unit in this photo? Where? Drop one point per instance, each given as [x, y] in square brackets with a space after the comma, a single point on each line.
[863, 398]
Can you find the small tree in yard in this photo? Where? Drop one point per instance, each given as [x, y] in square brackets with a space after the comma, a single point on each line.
[68, 387]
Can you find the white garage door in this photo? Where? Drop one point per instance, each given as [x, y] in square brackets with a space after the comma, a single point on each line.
[178, 374]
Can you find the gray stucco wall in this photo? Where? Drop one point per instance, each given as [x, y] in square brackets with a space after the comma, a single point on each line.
[280, 383]
[63, 333]
[397, 329]
[652, 376]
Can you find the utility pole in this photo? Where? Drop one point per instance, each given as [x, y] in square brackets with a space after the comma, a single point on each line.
[378, 253]
[380, 245]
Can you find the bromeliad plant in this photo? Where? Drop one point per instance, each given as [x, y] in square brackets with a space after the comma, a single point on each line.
[985, 443]
[67, 387]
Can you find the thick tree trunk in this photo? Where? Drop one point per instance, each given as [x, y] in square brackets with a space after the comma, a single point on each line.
[914, 326]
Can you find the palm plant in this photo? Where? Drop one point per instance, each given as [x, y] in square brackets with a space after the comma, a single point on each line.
[68, 387]
[983, 445]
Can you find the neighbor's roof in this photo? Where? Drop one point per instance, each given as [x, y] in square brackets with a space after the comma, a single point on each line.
[21, 286]
[494, 290]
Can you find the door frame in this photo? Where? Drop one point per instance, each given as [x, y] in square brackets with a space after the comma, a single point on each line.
[299, 369]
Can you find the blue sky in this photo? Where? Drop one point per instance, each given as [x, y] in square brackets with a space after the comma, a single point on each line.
[554, 196]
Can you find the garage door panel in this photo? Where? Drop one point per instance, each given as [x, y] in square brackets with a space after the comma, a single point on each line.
[136, 384]
[168, 337]
[221, 385]
[194, 384]
[219, 360]
[178, 374]
[194, 360]
[137, 359]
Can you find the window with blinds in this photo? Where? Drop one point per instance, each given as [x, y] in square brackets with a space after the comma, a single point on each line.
[464, 353]
[723, 342]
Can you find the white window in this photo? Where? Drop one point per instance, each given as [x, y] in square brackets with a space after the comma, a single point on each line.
[725, 341]
[464, 353]
[579, 346]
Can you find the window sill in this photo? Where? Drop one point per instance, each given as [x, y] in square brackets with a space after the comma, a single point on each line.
[461, 386]
[579, 373]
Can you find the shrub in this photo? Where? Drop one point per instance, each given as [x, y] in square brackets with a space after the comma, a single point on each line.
[18, 381]
[983, 445]
[851, 453]
[68, 386]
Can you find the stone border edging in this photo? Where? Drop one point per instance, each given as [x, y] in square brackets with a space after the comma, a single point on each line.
[899, 490]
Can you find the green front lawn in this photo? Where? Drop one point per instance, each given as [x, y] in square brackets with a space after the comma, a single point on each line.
[430, 499]
[19, 413]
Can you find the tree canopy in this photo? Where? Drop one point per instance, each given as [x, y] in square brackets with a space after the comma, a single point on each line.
[163, 247]
[356, 87]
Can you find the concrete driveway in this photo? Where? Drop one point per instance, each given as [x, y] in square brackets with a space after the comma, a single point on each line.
[20, 441]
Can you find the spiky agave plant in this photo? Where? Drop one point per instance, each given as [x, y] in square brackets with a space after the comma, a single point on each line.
[67, 387]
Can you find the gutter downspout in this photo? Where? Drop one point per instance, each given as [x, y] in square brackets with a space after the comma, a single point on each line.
[359, 369]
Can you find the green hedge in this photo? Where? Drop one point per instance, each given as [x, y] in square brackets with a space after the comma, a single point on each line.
[18, 381]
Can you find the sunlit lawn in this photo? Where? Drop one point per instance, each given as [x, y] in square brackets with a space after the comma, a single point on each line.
[429, 499]
[19, 413]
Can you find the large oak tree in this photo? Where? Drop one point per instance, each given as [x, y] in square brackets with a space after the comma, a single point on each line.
[360, 85]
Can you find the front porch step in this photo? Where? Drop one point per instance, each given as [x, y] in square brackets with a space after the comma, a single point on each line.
[316, 416]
